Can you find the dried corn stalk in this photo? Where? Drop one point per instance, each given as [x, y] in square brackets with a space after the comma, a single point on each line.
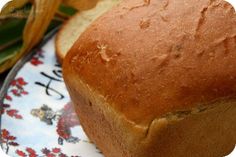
[38, 21]
[81, 4]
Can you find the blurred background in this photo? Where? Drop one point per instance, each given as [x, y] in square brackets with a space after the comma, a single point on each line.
[24, 23]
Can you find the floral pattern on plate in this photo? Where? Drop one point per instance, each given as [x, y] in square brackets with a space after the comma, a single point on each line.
[38, 119]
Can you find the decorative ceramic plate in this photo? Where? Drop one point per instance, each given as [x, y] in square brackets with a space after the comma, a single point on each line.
[38, 119]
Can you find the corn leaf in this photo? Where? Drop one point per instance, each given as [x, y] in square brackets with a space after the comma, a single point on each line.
[67, 10]
[9, 53]
[11, 30]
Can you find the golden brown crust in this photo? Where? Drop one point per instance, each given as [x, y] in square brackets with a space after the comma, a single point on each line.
[149, 58]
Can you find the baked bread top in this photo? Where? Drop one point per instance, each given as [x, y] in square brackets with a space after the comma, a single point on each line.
[149, 58]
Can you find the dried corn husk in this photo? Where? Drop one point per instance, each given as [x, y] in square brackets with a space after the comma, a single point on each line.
[12, 5]
[40, 16]
[39, 19]
[81, 4]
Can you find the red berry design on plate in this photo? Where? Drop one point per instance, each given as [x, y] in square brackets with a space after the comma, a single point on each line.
[20, 153]
[56, 150]
[5, 105]
[17, 87]
[51, 155]
[8, 140]
[14, 113]
[45, 151]
[13, 144]
[30, 151]
[4, 108]
[35, 61]
[8, 97]
[5, 133]
[21, 81]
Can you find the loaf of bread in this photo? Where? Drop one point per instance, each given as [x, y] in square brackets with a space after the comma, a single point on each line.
[157, 78]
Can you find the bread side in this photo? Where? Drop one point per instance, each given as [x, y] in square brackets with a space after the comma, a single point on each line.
[200, 132]
[77, 25]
